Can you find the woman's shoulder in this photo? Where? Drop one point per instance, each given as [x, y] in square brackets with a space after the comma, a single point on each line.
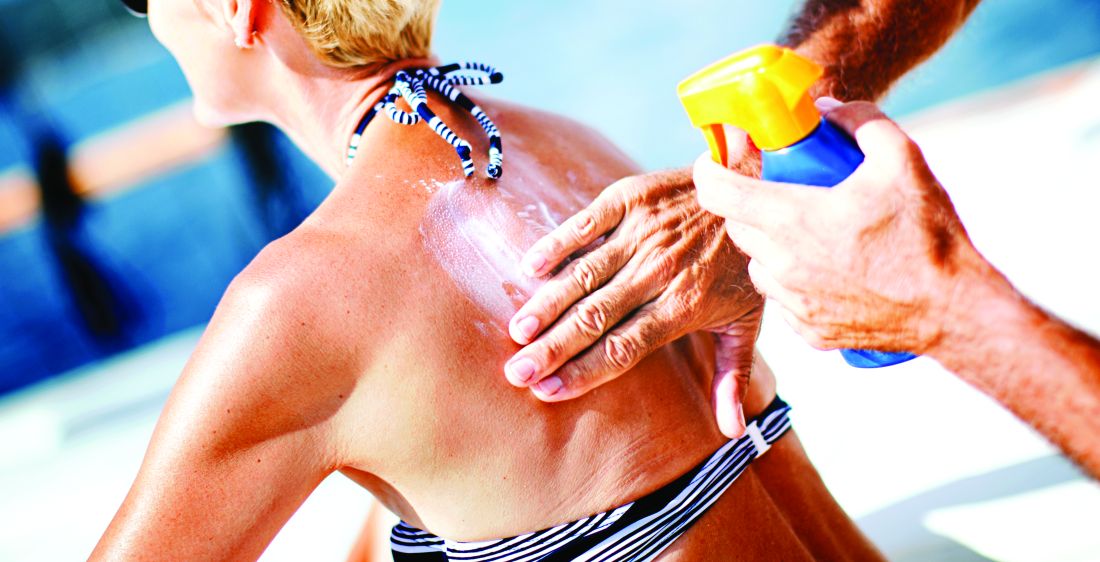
[550, 128]
[305, 286]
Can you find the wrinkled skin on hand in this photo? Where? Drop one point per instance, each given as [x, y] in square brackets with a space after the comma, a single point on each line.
[873, 263]
[649, 266]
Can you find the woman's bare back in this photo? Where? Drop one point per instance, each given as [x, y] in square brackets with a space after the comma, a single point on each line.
[440, 434]
[371, 341]
[441, 437]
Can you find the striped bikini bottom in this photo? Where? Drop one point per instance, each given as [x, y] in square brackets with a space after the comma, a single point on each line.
[637, 531]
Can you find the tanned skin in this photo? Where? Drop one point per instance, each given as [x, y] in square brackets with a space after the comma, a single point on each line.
[865, 47]
[1041, 368]
[354, 344]
[345, 347]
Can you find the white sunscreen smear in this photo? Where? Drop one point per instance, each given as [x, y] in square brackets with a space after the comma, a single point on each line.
[479, 235]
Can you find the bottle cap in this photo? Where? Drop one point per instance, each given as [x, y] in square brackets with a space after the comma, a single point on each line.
[763, 90]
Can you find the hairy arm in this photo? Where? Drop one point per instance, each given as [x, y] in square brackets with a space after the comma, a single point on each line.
[865, 46]
[1042, 369]
[244, 438]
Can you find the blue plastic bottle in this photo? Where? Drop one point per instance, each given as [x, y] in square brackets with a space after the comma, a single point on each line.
[825, 158]
[765, 92]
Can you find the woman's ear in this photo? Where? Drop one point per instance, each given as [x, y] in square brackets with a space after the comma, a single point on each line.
[241, 17]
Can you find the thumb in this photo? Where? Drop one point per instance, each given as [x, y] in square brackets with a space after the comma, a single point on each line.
[733, 367]
[873, 131]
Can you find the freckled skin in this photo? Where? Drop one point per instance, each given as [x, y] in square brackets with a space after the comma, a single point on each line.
[434, 430]
[350, 345]
[355, 344]
[369, 342]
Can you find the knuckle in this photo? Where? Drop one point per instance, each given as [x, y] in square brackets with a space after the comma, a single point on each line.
[549, 352]
[621, 351]
[582, 226]
[585, 276]
[808, 310]
[578, 377]
[662, 265]
[552, 245]
[591, 318]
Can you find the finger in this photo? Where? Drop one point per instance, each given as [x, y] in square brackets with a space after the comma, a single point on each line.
[581, 327]
[826, 104]
[875, 133]
[578, 231]
[579, 278]
[762, 204]
[738, 145]
[615, 353]
[733, 366]
[767, 285]
[808, 335]
[755, 244]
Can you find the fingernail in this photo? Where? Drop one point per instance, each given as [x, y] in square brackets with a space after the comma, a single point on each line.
[549, 386]
[532, 263]
[826, 103]
[521, 370]
[527, 327]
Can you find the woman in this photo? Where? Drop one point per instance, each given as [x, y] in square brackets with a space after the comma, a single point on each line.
[366, 341]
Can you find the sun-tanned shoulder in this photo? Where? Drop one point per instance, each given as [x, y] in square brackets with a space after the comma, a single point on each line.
[275, 344]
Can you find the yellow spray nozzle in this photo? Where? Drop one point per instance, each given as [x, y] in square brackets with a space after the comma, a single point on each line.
[763, 90]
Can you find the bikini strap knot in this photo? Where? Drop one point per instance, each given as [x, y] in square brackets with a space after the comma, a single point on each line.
[411, 86]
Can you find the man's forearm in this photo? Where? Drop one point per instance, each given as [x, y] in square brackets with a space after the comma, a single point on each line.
[1040, 368]
[867, 45]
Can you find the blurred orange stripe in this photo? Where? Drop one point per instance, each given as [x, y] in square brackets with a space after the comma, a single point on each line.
[116, 159]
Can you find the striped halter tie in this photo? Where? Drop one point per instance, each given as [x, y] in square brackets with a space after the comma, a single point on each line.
[410, 85]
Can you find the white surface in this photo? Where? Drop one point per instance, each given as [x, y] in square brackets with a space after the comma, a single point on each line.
[1007, 529]
[1024, 176]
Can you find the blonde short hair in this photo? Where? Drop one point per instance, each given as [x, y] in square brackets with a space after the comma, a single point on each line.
[354, 33]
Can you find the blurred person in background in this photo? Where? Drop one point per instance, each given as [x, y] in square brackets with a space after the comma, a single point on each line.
[106, 305]
[103, 301]
[365, 340]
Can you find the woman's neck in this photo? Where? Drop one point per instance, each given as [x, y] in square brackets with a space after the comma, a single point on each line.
[320, 112]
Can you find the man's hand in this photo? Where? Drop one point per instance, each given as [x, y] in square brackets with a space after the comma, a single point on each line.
[663, 271]
[882, 261]
[873, 263]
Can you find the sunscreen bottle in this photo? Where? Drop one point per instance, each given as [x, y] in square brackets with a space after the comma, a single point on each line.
[765, 92]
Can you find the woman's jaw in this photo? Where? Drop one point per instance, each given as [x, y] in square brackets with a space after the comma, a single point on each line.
[246, 62]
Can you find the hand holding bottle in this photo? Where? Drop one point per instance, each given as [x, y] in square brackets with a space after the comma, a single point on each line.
[881, 261]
